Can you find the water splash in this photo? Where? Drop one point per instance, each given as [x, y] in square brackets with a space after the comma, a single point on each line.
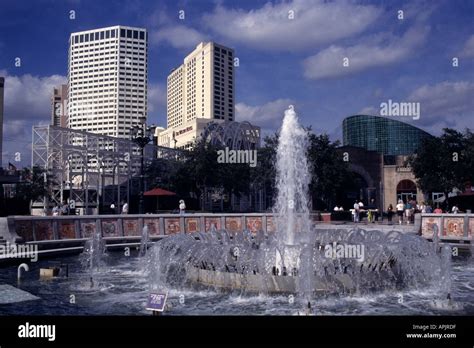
[144, 241]
[295, 259]
[92, 256]
[292, 180]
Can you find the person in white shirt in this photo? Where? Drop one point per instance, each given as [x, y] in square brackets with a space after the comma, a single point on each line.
[455, 209]
[356, 211]
[56, 211]
[400, 207]
[125, 208]
[182, 207]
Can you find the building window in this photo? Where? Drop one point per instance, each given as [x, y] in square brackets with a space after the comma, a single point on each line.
[142, 35]
[102, 35]
[129, 34]
[122, 32]
[107, 34]
[112, 34]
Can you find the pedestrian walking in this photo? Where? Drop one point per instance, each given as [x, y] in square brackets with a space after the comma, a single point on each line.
[356, 211]
[408, 212]
[400, 207]
[125, 208]
[65, 209]
[56, 210]
[182, 207]
[390, 213]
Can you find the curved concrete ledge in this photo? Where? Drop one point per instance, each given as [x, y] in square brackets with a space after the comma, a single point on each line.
[264, 282]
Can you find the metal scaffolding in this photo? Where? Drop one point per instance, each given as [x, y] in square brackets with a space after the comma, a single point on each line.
[93, 168]
[234, 135]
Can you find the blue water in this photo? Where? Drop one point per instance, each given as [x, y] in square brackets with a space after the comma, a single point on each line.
[121, 288]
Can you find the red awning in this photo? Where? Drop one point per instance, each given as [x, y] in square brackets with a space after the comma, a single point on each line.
[159, 192]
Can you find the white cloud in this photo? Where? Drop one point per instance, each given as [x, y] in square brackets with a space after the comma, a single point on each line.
[369, 110]
[315, 22]
[16, 129]
[468, 50]
[156, 96]
[27, 103]
[28, 97]
[380, 50]
[157, 104]
[267, 116]
[446, 104]
[178, 36]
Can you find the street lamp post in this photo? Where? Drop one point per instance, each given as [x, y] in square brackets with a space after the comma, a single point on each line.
[141, 134]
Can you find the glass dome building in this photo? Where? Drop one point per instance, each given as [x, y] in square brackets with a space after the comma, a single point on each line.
[384, 135]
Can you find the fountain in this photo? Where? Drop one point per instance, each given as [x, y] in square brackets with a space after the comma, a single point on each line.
[298, 258]
[94, 250]
[144, 242]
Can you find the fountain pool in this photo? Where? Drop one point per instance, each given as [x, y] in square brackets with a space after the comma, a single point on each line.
[122, 288]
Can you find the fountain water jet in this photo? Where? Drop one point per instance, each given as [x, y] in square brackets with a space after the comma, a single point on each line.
[295, 258]
[292, 179]
[94, 250]
[144, 241]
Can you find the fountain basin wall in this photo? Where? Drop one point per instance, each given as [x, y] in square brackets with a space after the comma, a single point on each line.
[259, 263]
[70, 232]
[260, 282]
[34, 228]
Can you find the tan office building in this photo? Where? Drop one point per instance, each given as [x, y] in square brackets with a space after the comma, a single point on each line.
[199, 91]
[59, 106]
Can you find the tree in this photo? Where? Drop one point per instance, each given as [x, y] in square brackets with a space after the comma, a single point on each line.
[33, 185]
[263, 175]
[444, 163]
[162, 173]
[198, 171]
[329, 172]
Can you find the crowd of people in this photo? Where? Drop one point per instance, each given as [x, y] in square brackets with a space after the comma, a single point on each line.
[62, 209]
[122, 208]
[405, 211]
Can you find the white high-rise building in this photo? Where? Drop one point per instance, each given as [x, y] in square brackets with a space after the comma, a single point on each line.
[199, 91]
[108, 80]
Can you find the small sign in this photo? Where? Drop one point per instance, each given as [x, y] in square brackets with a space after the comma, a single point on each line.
[156, 302]
[403, 169]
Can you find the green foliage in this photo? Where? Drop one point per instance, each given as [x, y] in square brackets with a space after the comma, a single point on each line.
[197, 170]
[329, 172]
[263, 175]
[33, 187]
[446, 162]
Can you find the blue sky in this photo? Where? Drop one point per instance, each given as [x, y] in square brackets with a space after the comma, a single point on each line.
[283, 60]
